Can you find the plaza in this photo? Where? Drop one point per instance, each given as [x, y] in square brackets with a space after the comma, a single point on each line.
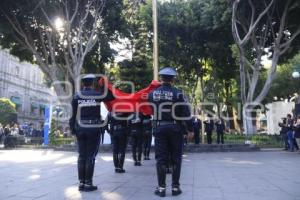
[48, 174]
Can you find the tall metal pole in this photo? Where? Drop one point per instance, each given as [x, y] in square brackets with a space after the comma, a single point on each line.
[155, 40]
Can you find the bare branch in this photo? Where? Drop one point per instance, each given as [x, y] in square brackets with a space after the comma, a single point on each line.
[48, 18]
[75, 12]
[234, 22]
[253, 26]
[287, 44]
[282, 24]
[43, 46]
[252, 12]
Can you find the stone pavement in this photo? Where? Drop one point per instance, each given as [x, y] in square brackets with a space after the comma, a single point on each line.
[51, 175]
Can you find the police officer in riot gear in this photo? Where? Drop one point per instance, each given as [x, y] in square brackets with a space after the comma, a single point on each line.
[118, 124]
[85, 123]
[167, 131]
[136, 133]
[147, 131]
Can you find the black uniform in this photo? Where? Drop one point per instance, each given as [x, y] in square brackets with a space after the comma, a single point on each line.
[220, 128]
[197, 128]
[119, 132]
[283, 133]
[136, 133]
[209, 127]
[147, 131]
[168, 131]
[85, 124]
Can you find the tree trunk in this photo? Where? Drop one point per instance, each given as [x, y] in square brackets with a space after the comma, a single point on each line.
[249, 127]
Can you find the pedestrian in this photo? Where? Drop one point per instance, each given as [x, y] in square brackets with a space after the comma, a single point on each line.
[209, 127]
[102, 132]
[1, 133]
[290, 132]
[197, 128]
[136, 134]
[168, 116]
[297, 130]
[14, 130]
[283, 133]
[8, 142]
[118, 123]
[147, 134]
[220, 128]
[85, 123]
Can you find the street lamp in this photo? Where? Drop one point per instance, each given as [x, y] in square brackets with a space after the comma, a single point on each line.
[296, 73]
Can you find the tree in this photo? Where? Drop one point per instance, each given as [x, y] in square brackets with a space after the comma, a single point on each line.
[195, 38]
[284, 86]
[264, 28]
[8, 113]
[139, 68]
[57, 35]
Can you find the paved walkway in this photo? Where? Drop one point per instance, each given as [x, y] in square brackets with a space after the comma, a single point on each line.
[51, 175]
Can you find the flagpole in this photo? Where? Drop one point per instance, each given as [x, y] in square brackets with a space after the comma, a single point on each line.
[155, 40]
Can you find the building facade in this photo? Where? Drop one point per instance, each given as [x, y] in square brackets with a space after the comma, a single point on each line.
[23, 83]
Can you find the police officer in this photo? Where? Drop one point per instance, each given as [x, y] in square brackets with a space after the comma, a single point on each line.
[147, 131]
[136, 133]
[167, 131]
[283, 133]
[209, 127]
[197, 127]
[118, 124]
[220, 128]
[85, 124]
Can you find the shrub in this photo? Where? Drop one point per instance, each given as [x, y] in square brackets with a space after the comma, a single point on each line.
[8, 113]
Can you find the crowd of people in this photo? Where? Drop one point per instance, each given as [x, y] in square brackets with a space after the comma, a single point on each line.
[290, 131]
[10, 132]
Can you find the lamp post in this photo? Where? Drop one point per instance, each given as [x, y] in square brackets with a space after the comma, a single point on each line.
[155, 40]
[296, 74]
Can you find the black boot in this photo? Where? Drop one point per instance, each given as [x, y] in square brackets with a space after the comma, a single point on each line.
[145, 153]
[176, 191]
[139, 158]
[89, 172]
[134, 159]
[81, 173]
[148, 154]
[160, 191]
[88, 186]
[121, 163]
[175, 179]
[161, 177]
[116, 162]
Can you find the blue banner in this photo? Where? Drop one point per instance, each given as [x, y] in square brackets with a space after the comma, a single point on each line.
[47, 125]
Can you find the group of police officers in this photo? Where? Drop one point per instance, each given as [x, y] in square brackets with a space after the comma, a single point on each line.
[171, 119]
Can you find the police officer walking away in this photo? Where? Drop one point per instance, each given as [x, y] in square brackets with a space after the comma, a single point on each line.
[147, 133]
[167, 131]
[136, 133]
[85, 124]
[119, 132]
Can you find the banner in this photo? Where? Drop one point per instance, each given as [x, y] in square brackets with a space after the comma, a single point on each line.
[129, 102]
[47, 124]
